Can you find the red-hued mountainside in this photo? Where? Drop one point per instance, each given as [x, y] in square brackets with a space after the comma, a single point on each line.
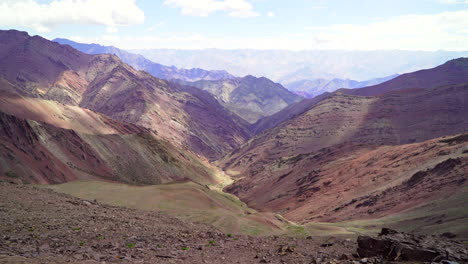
[395, 153]
[43, 141]
[345, 148]
[287, 113]
[394, 118]
[36, 67]
[352, 181]
[452, 72]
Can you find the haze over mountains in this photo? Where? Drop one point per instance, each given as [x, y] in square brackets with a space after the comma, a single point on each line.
[289, 66]
[312, 88]
[141, 63]
[343, 162]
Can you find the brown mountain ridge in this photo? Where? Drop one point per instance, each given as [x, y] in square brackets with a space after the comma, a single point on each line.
[36, 67]
[33, 151]
[348, 150]
[394, 153]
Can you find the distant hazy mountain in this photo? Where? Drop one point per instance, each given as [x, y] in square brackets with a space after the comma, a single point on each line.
[141, 63]
[249, 97]
[288, 66]
[312, 88]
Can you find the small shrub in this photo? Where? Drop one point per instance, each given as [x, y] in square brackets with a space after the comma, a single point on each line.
[185, 248]
[82, 244]
[229, 235]
[76, 228]
[100, 237]
[11, 174]
[131, 245]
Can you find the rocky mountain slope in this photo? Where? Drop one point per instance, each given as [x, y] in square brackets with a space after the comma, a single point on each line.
[441, 75]
[287, 113]
[249, 97]
[394, 118]
[287, 167]
[341, 164]
[42, 226]
[141, 63]
[314, 87]
[350, 181]
[187, 117]
[48, 142]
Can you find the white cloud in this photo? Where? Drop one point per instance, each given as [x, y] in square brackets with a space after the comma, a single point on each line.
[447, 1]
[447, 30]
[154, 27]
[44, 17]
[234, 8]
[271, 14]
[318, 7]
[450, 2]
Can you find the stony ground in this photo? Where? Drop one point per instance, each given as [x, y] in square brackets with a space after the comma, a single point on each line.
[40, 226]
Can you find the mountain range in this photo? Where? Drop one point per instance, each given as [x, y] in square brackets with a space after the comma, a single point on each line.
[141, 63]
[249, 97]
[344, 156]
[188, 117]
[312, 88]
[241, 154]
[286, 66]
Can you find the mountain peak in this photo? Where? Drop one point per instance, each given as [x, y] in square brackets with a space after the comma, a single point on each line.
[250, 77]
[12, 32]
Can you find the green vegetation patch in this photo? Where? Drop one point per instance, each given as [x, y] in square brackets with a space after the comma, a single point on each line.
[11, 174]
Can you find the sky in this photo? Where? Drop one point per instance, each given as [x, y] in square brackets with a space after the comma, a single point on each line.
[247, 24]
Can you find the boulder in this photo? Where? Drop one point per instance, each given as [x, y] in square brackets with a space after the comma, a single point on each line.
[397, 246]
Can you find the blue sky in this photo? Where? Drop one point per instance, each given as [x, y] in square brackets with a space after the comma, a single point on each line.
[257, 24]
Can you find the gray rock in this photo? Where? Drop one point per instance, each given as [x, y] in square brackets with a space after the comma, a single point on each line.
[393, 246]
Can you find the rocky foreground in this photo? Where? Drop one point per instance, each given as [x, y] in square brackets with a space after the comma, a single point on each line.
[38, 225]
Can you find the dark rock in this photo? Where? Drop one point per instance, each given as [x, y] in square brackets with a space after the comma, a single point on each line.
[326, 245]
[393, 245]
[387, 231]
[285, 249]
[344, 257]
[448, 235]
